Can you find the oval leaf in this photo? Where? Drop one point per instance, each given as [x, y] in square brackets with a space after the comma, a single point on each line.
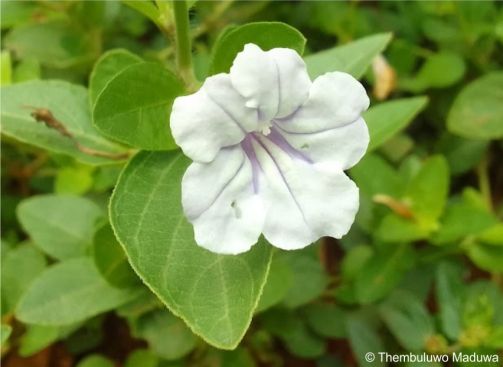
[387, 119]
[55, 43]
[382, 273]
[69, 292]
[166, 334]
[216, 295]
[439, 71]
[477, 112]
[20, 266]
[69, 104]
[62, 226]
[107, 67]
[428, 190]
[266, 35]
[353, 58]
[134, 107]
[450, 290]
[364, 338]
[407, 319]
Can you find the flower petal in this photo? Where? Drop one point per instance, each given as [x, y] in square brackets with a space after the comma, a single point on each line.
[303, 201]
[341, 146]
[219, 200]
[212, 118]
[335, 99]
[276, 81]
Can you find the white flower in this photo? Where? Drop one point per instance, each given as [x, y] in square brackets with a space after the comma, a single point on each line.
[270, 148]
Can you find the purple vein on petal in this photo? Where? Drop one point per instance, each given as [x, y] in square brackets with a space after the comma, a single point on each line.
[278, 139]
[258, 138]
[247, 146]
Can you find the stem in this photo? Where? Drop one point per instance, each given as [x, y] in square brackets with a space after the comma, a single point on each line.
[183, 46]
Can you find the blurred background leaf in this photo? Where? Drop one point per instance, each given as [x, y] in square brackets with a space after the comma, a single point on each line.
[420, 270]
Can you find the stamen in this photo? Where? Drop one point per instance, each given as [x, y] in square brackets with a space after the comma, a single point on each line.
[265, 129]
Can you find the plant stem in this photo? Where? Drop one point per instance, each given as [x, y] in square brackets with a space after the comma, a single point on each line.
[183, 45]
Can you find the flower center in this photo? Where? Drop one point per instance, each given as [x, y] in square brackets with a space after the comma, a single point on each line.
[256, 142]
[265, 128]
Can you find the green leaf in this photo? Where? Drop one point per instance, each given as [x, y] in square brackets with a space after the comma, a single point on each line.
[450, 293]
[143, 358]
[5, 331]
[309, 278]
[239, 357]
[139, 117]
[148, 220]
[75, 180]
[55, 43]
[88, 337]
[108, 66]
[428, 191]
[387, 119]
[111, 260]
[279, 282]
[5, 68]
[419, 279]
[462, 219]
[39, 337]
[382, 273]
[14, 13]
[95, 360]
[147, 8]
[144, 302]
[62, 226]
[69, 292]
[326, 319]
[492, 235]
[363, 338]
[374, 175]
[462, 154]
[266, 35]
[20, 266]
[353, 58]
[397, 147]
[440, 31]
[27, 69]
[291, 329]
[354, 261]
[439, 71]
[407, 319]
[70, 106]
[105, 177]
[496, 338]
[487, 257]
[477, 111]
[483, 306]
[394, 228]
[167, 336]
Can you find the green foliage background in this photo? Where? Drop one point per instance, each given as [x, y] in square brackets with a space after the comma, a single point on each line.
[91, 279]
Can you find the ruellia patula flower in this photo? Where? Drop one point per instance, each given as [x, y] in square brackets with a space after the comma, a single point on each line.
[269, 149]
